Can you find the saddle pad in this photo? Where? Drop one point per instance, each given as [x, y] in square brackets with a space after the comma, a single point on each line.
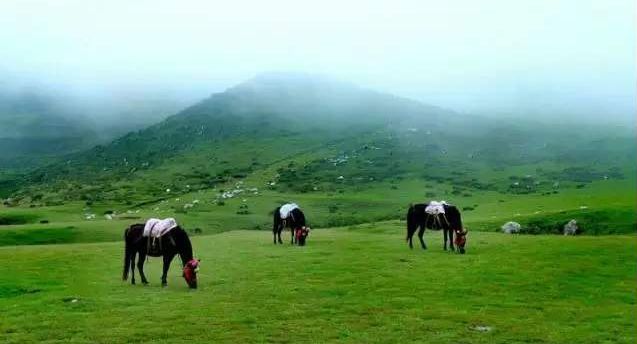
[156, 228]
[435, 207]
[285, 209]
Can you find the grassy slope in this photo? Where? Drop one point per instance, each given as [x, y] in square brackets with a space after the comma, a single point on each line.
[346, 286]
[203, 171]
[613, 199]
[343, 170]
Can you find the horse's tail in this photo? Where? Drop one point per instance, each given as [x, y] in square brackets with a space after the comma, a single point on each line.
[411, 221]
[127, 255]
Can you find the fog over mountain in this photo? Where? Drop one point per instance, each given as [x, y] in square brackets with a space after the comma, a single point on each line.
[535, 59]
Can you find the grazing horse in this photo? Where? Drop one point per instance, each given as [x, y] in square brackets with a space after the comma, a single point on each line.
[450, 222]
[295, 221]
[174, 242]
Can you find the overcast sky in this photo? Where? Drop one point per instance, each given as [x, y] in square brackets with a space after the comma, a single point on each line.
[533, 57]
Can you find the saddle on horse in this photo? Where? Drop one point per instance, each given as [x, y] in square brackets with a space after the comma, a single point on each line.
[437, 210]
[155, 229]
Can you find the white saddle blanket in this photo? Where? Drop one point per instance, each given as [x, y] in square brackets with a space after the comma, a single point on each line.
[156, 228]
[435, 207]
[285, 209]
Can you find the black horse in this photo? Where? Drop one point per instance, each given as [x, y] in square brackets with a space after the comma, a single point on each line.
[295, 221]
[450, 222]
[174, 242]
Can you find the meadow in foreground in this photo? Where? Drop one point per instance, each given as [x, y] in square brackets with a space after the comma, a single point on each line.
[356, 284]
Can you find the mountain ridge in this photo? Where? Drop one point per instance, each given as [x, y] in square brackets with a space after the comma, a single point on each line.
[273, 118]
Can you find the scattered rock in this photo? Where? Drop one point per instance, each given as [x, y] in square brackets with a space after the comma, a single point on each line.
[511, 227]
[571, 228]
[481, 328]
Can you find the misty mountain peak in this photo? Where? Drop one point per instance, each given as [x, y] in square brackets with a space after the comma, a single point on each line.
[302, 96]
[294, 83]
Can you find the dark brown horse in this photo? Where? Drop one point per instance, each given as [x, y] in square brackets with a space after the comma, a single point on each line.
[450, 222]
[175, 242]
[296, 223]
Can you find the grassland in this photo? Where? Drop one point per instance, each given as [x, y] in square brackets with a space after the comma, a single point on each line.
[356, 284]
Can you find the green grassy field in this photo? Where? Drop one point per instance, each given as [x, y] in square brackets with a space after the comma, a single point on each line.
[359, 284]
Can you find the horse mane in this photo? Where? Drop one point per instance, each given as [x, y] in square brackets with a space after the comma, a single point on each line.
[453, 214]
[183, 241]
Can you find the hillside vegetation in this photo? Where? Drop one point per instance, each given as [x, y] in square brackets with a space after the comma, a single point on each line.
[350, 154]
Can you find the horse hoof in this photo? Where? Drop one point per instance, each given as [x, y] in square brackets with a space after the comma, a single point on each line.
[132, 282]
[163, 284]
[145, 282]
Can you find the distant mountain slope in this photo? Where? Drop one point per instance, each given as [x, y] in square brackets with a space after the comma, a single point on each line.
[39, 125]
[267, 106]
[309, 134]
[35, 126]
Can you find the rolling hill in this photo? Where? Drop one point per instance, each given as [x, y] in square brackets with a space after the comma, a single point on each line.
[36, 126]
[354, 154]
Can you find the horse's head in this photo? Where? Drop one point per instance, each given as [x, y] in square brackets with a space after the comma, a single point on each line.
[190, 273]
[461, 240]
[301, 235]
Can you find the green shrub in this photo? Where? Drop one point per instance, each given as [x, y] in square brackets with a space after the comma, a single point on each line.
[17, 219]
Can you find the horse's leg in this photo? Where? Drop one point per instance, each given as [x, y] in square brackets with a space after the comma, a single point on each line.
[410, 235]
[167, 259]
[140, 266]
[444, 234]
[450, 230]
[411, 244]
[132, 267]
[292, 241]
[421, 231]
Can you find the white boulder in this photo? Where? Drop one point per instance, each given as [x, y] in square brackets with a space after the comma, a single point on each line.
[511, 227]
[571, 228]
